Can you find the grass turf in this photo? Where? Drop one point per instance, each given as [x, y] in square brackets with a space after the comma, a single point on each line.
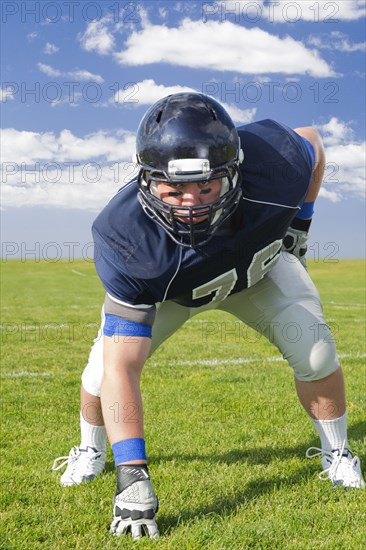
[226, 436]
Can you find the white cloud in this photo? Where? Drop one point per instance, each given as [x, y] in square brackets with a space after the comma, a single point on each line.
[148, 92]
[163, 13]
[223, 47]
[98, 37]
[31, 147]
[358, 74]
[83, 187]
[345, 173]
[242, 116]
[77, 74]
[64, 170]
[32, 35]
[71, 100]
[332, 196]
[335, 132]
[336, 41]
[85, 75]
[6, 95]
[345, 158]
[48, 70]
[50, 49]
[346, 46]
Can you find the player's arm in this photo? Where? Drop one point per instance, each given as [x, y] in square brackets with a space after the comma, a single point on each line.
[127, 341]
[124, 358]
[295, 240]
[312, 135]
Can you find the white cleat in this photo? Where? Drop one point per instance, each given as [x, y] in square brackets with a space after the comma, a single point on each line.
[340, 466]
[82, 465]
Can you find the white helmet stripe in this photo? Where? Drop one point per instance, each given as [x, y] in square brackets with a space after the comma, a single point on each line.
[185, 169]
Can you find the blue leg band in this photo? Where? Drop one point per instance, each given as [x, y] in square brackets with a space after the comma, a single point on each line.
[129, 449]
[115, 325]
[306, 211]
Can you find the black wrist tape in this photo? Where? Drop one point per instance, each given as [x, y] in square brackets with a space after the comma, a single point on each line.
[127, 474]
[301, 225]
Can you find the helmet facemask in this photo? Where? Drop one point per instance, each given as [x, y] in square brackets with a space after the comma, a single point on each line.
[181, 222]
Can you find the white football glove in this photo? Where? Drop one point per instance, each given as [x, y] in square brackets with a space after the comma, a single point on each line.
[135, 507]
[295, 242]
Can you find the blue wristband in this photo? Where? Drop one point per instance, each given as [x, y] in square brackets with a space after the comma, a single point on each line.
[306, 211]
[129, 449]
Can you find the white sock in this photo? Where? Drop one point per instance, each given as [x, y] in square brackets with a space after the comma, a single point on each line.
[332, 433]
[92, 436]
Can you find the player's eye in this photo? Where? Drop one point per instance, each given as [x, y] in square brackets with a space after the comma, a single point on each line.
[174, 184]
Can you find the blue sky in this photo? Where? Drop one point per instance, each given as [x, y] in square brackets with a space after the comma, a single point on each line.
[78, 76]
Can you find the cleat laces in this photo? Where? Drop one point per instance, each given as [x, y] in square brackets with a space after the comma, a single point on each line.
[344, 468]
[70, 459]
[82, 465]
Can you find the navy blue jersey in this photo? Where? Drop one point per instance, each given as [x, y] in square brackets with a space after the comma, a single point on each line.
[138, 263]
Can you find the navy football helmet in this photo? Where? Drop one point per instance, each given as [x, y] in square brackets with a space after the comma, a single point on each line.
[184, 138]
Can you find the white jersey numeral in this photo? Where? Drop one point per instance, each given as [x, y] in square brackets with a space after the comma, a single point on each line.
[221, 286]
[263, 261]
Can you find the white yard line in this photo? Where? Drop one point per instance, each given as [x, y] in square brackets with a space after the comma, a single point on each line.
[26, 373]
[340, 305]
[54, 326]
[245, 360]
[201, 362]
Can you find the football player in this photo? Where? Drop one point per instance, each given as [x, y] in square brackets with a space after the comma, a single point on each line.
[217, 218]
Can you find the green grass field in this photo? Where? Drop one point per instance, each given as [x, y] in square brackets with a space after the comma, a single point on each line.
[226, 436]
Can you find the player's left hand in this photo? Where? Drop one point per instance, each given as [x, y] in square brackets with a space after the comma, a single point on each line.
[134, 511]
[295, 242]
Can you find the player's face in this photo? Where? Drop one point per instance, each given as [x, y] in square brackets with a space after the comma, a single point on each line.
[189, 194]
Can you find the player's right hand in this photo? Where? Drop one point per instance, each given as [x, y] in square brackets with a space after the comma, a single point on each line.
[134, 511]
[295, 242]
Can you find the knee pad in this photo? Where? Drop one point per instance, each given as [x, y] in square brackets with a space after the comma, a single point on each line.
[319, 360]
[91, 378]
[305, 340]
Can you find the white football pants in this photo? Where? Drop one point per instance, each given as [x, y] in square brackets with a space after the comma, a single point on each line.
[284, 306]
